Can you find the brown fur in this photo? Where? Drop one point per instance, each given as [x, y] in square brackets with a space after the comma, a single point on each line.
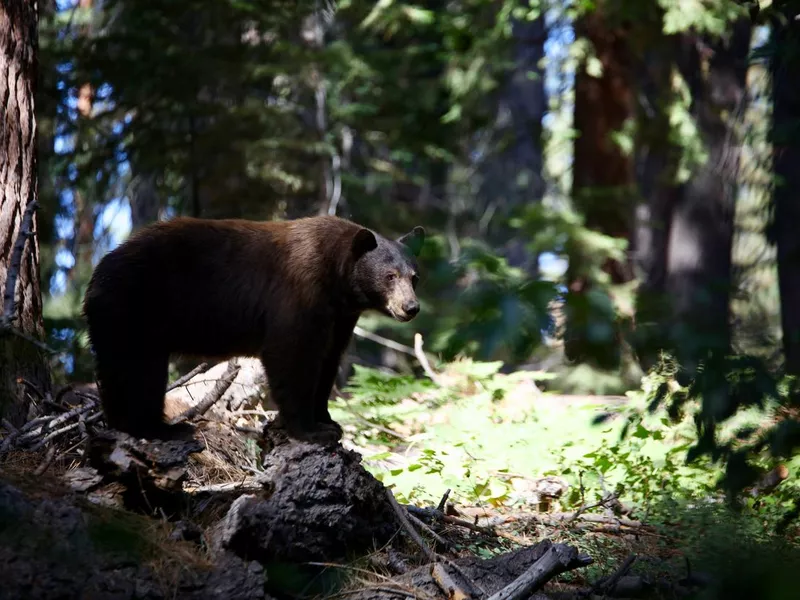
[288, 292]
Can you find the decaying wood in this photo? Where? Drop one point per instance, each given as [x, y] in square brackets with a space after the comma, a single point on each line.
[558, 559]
[488, 576]
[607, 584]
[142, 465]
[320, 505]
[39, 432]
[434, 514]
[409, 528]
[47, 551]
[219, 389]
[201, 368]
[448, 584]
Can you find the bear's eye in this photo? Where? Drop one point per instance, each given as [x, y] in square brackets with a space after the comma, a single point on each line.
[391, 277]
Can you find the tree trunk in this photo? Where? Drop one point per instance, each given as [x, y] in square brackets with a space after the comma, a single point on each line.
[603, 190]
[20, 361]
[701, 237]
[513, 177]
[144, 201]
[687, 235]
[656, 162]
[785, 67]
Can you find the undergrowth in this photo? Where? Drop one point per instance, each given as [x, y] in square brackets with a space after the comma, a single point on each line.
[484, 434]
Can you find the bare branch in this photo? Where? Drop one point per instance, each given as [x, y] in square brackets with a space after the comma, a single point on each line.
[213, 396]
[201, 368]
[423, 360]
[558, 559]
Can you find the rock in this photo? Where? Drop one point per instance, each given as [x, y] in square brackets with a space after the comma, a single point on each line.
[322, 505]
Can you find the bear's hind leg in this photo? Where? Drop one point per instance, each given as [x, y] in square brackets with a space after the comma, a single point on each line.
[132, 390]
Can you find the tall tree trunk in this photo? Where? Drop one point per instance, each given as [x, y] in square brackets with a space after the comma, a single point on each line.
[686, 250]
[20, 361]
[785, 67]
[656, 164]
[513, 177]
[701, 237]
[603, 178]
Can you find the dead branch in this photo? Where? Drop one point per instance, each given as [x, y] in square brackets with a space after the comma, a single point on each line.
[422, 526]
[219, 389]
[386, 342]
[447, 583]
[46, 461]
[558, 559]
[63, 430]
[15, 264]
[201, 368]
[423, 360]
[409, 528]
[443, 502]
[606, 584]
[434, 514]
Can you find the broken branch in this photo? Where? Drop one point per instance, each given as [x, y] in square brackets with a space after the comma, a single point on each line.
[201, 368]
[558, 559]
[219, 389]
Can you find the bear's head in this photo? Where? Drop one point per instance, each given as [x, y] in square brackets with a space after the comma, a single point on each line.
[385, 272]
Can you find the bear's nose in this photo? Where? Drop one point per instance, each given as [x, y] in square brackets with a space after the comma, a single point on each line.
[411, 308]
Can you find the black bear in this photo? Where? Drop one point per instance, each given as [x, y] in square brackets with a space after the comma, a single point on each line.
[288, 292]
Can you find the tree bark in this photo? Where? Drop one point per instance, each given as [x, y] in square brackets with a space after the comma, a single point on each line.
[603, 182]
[785, 68]
[20, 361]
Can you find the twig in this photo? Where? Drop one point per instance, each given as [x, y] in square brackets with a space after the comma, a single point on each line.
[443, 501]
[378, 339]
[28, 338]
[406, 523]
[606, 584]
[46, 462]
[557, 559]
[583, 508]
[58, 432]
[14, 265]
[253, 412]
[213, 396]
[201, 368]
[423, 360]
[226, 487]
[429, 554]
[439, 539]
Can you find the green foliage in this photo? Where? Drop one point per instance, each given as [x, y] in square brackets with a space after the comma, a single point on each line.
[711, 16]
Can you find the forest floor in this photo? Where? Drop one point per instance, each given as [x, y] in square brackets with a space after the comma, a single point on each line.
[516, 466]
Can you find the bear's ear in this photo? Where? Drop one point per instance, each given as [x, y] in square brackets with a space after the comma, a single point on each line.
[414, 240]
[363, 242]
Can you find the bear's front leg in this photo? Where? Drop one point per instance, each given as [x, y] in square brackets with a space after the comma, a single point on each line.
[293, 364]
[341, 332]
